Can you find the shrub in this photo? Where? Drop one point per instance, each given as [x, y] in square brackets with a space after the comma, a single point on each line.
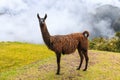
[100, 43]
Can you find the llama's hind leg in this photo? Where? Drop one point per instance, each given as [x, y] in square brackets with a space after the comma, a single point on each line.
[58, 56]
[85, 52]
[81, 59]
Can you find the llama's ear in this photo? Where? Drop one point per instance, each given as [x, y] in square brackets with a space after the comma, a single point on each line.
[38, 16]
[45, 17]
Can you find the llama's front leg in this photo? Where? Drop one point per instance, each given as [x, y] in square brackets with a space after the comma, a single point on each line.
[58, 55]
[81, 59]
[86, 59]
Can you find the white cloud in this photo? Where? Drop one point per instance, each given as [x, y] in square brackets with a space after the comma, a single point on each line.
[18, 21]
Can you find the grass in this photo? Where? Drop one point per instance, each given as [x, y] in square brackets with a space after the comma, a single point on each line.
[23, 61]
[106, 66]
[14, 55]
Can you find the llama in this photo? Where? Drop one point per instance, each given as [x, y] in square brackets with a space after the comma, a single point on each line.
[65, 44]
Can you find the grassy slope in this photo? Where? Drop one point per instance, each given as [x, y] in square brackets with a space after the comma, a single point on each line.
[14, 55]
[21, 61]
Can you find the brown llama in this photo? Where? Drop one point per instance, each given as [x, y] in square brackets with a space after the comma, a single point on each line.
[65, 44]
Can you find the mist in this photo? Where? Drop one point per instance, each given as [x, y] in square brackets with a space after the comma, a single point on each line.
[18, 21]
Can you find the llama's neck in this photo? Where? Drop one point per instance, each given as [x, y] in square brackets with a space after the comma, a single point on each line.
[45, 34]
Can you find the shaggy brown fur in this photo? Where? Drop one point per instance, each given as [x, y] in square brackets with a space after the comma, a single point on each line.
[65, 44]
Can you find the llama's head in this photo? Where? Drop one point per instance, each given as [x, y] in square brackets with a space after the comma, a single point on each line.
[42, 20]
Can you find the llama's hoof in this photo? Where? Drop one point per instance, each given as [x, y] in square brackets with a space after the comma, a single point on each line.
[78, 69]
[57, 73]
[84, 69]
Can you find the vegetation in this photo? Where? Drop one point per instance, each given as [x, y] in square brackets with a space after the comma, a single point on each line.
[15, 55]
[112, 44]
[23, 61]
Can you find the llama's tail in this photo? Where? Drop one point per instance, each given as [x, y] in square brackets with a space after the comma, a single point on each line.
[86, 33]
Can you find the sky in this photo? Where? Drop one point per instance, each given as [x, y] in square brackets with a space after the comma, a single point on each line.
[18, 21]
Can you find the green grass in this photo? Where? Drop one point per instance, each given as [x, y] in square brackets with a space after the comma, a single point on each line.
[106, 66]
[23, 61]
[14, 55]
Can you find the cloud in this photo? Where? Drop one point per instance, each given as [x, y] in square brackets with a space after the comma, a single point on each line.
[18, 21]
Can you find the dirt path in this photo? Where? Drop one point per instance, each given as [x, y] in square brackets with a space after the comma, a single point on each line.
[47, 70]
